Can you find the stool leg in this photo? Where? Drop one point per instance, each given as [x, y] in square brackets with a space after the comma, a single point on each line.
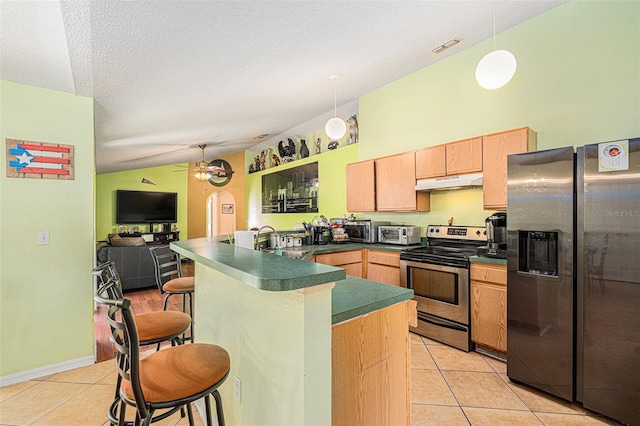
[166, 300]
[191, 313]
[190, 414]
[207, 406]
[219, 413]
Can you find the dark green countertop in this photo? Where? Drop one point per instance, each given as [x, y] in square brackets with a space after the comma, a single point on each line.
[491, 260]
[351, 296]
[260, 270]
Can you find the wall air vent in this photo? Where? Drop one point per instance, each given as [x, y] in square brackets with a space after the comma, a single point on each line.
[445, 46]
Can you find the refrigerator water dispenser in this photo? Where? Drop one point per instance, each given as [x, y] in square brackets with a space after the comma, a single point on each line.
[538, 252]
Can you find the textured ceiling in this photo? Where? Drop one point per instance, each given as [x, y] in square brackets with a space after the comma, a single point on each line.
[169, 75]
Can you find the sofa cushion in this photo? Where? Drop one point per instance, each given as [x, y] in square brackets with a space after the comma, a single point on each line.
[117, 241]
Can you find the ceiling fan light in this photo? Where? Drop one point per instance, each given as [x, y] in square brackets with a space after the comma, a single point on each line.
[203, 175]
[496, 69]
[335, 128]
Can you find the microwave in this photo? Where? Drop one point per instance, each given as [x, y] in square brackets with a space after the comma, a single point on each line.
[363, 231]
[399, 234]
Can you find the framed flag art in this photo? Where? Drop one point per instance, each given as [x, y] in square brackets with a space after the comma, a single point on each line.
[39, 160]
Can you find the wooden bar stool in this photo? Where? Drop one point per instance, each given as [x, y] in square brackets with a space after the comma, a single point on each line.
[170, 281]
[169, 379]
[153, 327]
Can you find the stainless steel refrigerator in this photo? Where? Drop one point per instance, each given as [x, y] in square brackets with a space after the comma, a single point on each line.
[573, 275]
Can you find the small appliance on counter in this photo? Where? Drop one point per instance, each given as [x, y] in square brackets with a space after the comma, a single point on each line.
[363, 231]
[496, 231]
[404, 235]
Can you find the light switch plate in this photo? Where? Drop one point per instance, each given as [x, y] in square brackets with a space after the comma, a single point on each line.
[43, 238]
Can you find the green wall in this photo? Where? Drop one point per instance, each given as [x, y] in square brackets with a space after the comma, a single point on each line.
[578, 82]
[332, 200]
[171, 178]
[46, 309]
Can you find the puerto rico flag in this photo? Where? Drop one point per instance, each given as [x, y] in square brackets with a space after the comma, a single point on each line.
[39, 160]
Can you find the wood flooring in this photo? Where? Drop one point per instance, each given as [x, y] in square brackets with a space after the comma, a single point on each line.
[145, 300]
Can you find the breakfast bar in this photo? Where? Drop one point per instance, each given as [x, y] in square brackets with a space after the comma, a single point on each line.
[308, 345]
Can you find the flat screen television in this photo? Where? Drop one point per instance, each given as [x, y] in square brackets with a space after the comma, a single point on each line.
[146, 207]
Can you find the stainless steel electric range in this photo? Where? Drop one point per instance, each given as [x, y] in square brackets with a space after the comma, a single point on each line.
[439, 276]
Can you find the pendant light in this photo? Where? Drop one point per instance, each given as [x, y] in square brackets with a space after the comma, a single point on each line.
[497, 67]
[335, 127]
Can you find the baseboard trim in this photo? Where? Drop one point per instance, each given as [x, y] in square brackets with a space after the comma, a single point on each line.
[47, 370]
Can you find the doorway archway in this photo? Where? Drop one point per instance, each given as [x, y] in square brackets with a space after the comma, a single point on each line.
[221, 213]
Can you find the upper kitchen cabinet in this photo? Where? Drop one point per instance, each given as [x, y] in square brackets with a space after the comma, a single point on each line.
[495, 149]
[431, 162]
[453, 158]
[361, 191]
[395, 184]
[464, 156]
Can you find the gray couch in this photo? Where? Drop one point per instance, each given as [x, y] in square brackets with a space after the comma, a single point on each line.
[134, 264]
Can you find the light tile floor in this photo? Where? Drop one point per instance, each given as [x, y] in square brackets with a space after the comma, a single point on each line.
[449, 387]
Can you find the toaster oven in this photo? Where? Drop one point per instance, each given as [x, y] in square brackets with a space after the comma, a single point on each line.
[399, 234]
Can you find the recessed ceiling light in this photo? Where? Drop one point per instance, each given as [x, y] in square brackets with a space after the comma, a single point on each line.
[446, 45]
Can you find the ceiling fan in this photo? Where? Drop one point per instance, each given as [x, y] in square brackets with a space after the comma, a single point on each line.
[218, 172]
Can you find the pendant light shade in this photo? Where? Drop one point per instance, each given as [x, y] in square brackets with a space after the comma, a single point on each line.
[496, 69]
[335, 127]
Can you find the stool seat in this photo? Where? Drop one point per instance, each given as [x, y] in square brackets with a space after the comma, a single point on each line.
[153, 326]
[181, 371]
[179, 285]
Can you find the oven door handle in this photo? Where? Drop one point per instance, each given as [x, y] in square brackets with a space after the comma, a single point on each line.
[440, 323]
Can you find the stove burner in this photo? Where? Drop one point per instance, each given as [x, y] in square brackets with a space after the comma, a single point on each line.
[447, 244]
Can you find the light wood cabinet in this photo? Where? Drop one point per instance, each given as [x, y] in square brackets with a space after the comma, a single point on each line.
[383, 266]
[449, 159]
[361, 192]
[495, 149]
[464, 156]
[351, 261]
[431, 162]
[489, 306]
[395, 183]
[371, 368]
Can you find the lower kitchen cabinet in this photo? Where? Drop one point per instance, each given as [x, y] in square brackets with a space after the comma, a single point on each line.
[371, 368]
[383, 266]
[489, 306]
[351, 261]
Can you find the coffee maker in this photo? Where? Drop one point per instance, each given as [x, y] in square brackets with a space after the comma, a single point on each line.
[496, 230]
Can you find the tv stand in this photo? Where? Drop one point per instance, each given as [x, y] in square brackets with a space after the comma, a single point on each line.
[155, 237]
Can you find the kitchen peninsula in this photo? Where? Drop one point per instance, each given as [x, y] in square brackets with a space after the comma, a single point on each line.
[308, 345]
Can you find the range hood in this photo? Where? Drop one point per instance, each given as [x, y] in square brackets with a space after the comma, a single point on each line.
[449, 182]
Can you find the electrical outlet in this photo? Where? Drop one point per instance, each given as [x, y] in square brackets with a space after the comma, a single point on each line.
[237, 388]
[43, 238]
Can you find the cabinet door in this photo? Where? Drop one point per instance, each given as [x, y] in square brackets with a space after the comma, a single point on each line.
[340, 258]
[361, 194]
[382, 257]
[464, 156]
[383, 274]
[488, 315]
[431, 162]
[489, 305]
[395, 183]
[353, 269]
[495, 149]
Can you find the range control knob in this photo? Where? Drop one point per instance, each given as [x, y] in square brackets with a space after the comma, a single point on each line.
[478, 232]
